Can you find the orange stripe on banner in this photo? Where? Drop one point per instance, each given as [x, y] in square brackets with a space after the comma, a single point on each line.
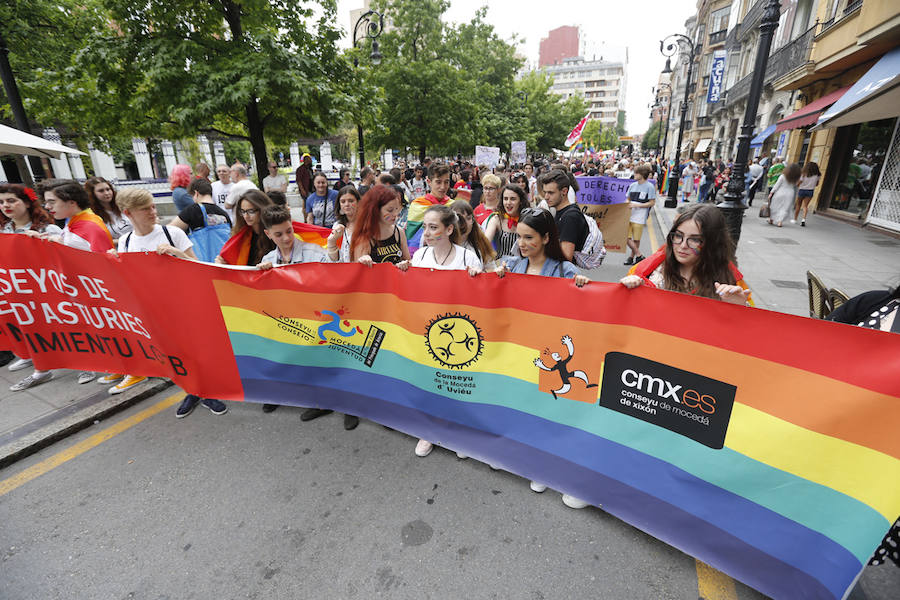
[808, 400]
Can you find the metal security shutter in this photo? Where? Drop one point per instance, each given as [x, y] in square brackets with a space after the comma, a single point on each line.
[885, 208]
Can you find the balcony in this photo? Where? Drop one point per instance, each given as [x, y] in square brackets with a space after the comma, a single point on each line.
[717, 37]
[753, 18]
[786, 59]
[731, 40]
[852, 6]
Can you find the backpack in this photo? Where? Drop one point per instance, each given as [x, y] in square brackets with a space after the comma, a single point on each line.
[165, 231]
[209, 239]
[593, 252]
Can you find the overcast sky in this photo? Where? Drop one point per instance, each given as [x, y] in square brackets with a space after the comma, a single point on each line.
[637, 24]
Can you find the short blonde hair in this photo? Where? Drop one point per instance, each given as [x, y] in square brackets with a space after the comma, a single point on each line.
[491, 179]
[132, 198]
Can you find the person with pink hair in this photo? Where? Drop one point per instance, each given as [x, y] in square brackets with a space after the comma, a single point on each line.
[180, 179]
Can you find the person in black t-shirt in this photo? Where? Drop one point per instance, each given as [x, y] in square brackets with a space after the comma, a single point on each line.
[191, 218]
[573, 229]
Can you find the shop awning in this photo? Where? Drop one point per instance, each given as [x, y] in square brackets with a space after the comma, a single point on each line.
[875, 96]
[809, 114]
[702, 145]
[762, 136]
[15, 141]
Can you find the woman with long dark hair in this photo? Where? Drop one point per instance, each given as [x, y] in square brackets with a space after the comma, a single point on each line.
[338, 244]
[697, 259]
[809, 179]
[781, 197]
[248, 242]
[377, 238]
[103, 202]
[500, 227]
[20, 212]
[472, 237]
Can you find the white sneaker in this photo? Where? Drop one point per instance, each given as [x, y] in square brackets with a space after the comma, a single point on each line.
[423, 448]
[573, 502]
[86, 376]
[31, 381]
[538, 487]
[19, 364]
[793, 221]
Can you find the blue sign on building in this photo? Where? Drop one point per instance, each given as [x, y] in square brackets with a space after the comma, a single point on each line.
[716, 77]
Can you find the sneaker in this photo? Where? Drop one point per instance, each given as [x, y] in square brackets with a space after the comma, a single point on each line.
[313, 413]
[267, 408]
[19, 364]
[793, 222]
[216, 407]
[638, 259]
[34, 379]
[803, 223]
[350, 422]
[424, 448]
[86, 377]
[111, 378]
[538, 487]
[573, 502]
[187, 406]
[462, 456]
[129, 382]
[629, 261]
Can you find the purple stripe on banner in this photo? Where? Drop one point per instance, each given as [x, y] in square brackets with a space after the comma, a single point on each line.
[489, 424]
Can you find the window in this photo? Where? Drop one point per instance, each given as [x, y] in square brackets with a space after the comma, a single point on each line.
[718, 19]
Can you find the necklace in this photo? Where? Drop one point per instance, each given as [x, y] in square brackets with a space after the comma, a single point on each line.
[443, 262]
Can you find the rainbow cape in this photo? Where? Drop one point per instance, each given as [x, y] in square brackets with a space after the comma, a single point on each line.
[236, 250]
[88, 226]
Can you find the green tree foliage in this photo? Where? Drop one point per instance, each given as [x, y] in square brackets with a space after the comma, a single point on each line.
[649, 140]
[620, 123]
[251, 70]
[549, 118]
[600, 137]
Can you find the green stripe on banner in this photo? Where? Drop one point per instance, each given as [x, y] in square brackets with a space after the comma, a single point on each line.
[735, 472]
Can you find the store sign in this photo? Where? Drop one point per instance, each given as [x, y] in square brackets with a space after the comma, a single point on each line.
[716, 77]
[782, 140]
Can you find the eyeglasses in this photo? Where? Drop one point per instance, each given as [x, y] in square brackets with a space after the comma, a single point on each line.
[489, 189]
[694, 242]
[249, 211]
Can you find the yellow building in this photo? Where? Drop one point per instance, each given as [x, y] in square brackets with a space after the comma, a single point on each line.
[852, 71]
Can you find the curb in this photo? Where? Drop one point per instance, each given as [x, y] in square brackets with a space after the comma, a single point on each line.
[98, 407]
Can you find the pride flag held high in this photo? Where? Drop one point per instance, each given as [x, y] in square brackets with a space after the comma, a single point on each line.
[575, 134]
[761, 443]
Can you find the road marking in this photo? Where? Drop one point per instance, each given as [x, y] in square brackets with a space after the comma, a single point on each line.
[48, 464]
[713, 584]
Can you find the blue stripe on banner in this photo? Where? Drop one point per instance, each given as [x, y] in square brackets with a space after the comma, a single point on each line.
[601, 461]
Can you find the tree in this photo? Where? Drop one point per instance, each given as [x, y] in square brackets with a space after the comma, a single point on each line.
[620, 123]
[653, 137]
[549, 117]
[245, 70]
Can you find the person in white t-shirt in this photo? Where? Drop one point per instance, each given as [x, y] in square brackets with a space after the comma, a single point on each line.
[642, 197]
[240, 186]
[442, 251]
[222, 187]
[274, 181]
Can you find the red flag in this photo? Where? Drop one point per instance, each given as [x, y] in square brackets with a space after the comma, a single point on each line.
[576, 133]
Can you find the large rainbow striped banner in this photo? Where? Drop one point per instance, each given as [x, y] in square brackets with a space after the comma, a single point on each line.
[761, 443]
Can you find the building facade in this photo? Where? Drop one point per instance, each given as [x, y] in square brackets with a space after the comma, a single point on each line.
[601, 83]
[561, 43]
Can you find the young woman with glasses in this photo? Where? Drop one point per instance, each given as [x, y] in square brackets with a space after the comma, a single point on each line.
[248, 215]
[490, 198]
[697, 259]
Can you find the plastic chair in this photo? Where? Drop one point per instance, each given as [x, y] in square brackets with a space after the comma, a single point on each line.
[819, 305]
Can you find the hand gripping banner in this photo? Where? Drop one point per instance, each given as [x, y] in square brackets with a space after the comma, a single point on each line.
[761, 443]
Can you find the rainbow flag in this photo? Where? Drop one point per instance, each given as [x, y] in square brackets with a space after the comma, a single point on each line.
[236, 250]
[777, 463]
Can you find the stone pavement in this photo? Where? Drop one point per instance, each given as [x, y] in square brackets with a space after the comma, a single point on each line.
[774, 262]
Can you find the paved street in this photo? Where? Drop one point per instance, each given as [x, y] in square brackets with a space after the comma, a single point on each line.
[249, 505]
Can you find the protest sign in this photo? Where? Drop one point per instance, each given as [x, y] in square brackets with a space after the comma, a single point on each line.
[517, 154]
[767, 455]
[487, 155]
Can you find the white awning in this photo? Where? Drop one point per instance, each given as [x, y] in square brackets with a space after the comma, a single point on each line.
[874, 97]
[703, 145]
[16, 141]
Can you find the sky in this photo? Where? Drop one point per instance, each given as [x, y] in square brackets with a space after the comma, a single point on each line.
[635, 24]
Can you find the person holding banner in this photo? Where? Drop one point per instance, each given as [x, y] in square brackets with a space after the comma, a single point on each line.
[573, 228]
[471, 235]
[348, 207]
[377, 238]
[248, 244]
[440, 232]
[84, 230]
[696, 260]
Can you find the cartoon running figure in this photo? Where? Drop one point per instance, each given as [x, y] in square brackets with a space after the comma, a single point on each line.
[335, 326]
[562, 366]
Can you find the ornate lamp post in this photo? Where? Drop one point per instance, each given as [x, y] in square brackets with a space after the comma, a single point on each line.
[373, 29]
[676, 45]
[733, 205]
[667, 110]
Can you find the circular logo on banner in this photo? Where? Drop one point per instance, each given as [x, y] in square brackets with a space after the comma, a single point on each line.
[454, 340]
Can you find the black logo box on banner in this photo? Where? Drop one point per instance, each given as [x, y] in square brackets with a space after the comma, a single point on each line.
[689, 404]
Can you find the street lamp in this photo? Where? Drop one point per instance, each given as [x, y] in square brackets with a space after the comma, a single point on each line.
[675, 45]
[667, 109]
[372, 31]
[733, 205]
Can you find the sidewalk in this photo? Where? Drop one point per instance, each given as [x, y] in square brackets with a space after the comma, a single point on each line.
[774, 260]
[35, 418]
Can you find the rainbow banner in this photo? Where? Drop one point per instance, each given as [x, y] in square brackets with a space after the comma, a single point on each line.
[761, 443]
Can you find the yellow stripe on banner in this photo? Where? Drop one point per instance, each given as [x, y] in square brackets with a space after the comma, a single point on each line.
[832, 462]
[713, 584]
[501, 358]
[48, 464]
